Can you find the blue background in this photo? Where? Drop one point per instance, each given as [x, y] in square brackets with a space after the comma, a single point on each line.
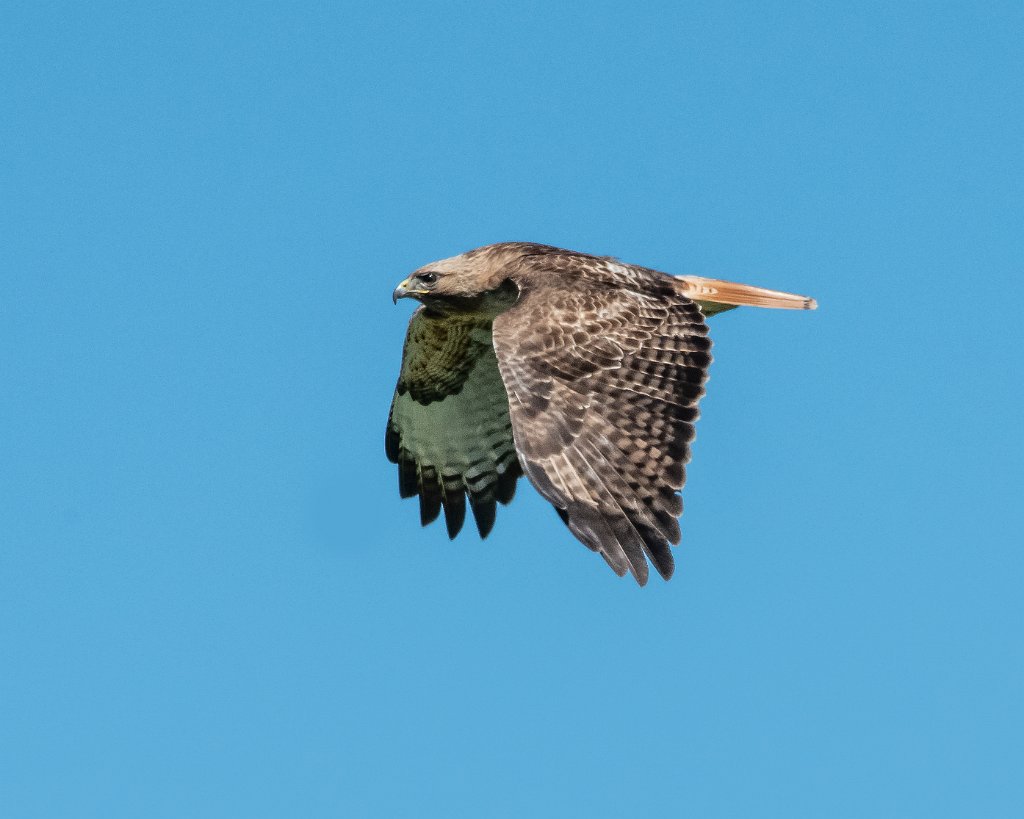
[213, 601]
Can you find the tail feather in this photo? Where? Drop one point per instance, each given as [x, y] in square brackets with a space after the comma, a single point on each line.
[717, 292]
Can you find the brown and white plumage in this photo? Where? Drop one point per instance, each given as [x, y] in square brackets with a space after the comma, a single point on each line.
[581, 372]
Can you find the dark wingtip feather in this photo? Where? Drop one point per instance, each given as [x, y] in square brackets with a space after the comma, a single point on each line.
[506, 488]
[429, 511]
[620, 570]
[454, 501]
[408, 476]
[391, 443]
[660, 554]
[430, 495]
[633, 546]
[656, 545]
[671, 501]
[484, 512]
[666, 566]
[594, 532]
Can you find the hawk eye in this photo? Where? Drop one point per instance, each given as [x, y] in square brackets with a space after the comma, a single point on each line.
[428, 279]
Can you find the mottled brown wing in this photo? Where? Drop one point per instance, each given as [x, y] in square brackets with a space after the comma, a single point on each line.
[603, 385]
[449, 429]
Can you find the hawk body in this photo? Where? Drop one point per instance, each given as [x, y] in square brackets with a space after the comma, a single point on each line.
[578, 371]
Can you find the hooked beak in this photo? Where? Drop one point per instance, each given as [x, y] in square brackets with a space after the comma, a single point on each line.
[404, 290]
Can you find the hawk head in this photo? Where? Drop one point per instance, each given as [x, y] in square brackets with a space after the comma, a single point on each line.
[477, 281]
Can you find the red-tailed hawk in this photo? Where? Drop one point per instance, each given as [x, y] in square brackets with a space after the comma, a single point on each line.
[581, 372]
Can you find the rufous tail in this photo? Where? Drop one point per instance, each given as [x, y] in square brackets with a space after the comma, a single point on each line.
[716, 291]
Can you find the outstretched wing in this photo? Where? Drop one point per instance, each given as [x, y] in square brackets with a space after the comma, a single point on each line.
[449, 429]
[603, 384]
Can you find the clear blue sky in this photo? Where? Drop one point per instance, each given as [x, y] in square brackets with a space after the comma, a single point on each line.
[213, 602]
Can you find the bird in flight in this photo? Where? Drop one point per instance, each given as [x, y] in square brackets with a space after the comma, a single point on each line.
[579, 371]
